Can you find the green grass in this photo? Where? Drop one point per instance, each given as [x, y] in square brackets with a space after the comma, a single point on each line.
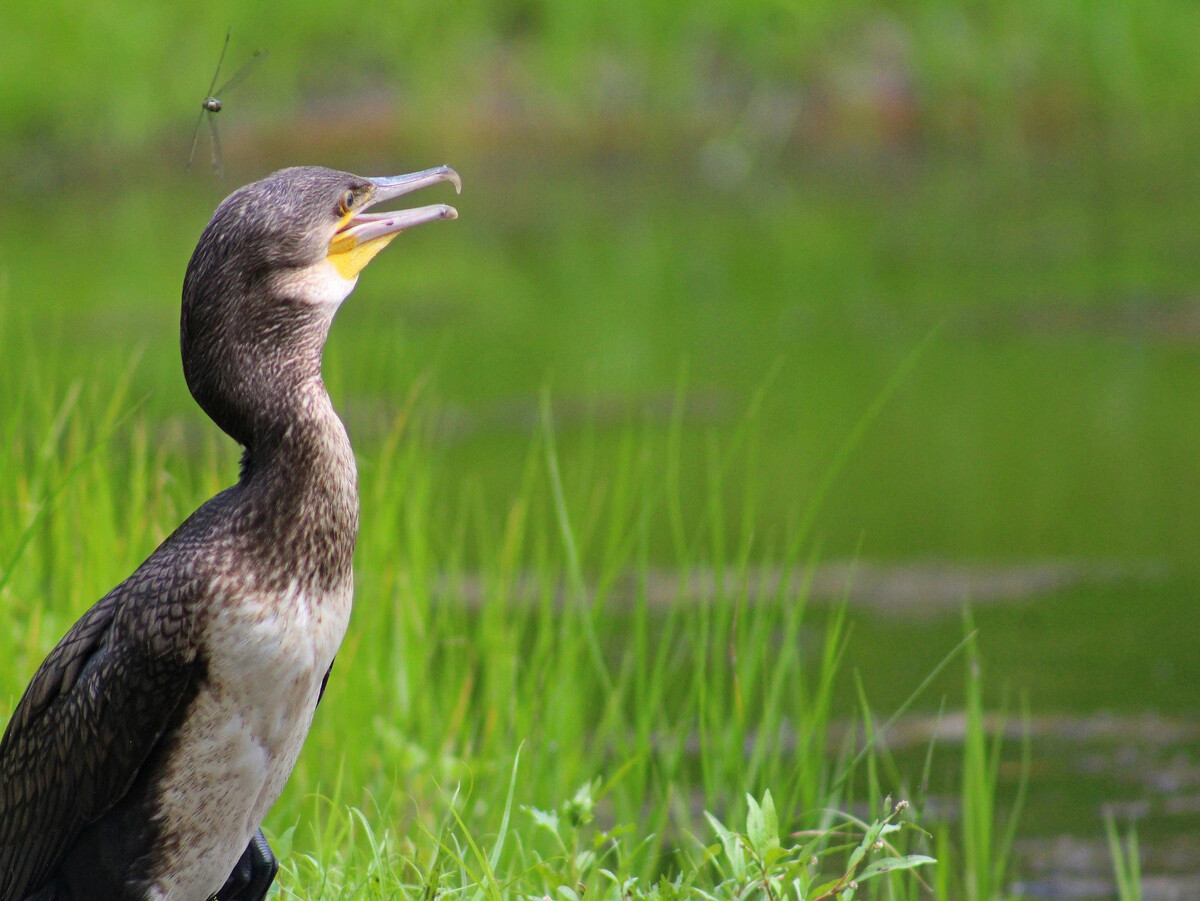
[470, 703]
[1127, 866]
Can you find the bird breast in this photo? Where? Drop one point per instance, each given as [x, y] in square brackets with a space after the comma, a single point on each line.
[266, 654]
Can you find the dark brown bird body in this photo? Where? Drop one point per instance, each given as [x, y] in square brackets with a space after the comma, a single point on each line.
[157, 734]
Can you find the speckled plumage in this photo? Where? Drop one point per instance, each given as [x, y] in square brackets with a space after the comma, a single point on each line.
[155, 736]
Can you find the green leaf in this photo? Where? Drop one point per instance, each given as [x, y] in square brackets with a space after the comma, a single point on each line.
[283, 842]
[888, 864]
[770, 821]
[865, 845]
[718, 827]
[824, 888]
[857, 855]
[546, 818]
[667, 890]
[581, 809]
[773, 855]
[732, 845]
[755, 827]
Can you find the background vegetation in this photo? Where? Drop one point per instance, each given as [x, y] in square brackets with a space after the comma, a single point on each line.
[736, 289]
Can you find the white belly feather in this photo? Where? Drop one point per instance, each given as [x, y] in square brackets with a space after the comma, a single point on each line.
[266, 659]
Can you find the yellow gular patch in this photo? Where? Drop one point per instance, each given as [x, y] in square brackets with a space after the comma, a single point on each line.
[349, 257]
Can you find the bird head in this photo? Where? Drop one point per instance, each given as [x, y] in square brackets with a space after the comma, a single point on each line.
[271, 268]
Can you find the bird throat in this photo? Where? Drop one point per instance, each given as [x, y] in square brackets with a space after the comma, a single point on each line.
[350, 257]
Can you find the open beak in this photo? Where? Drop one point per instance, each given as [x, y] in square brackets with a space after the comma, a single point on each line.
[361, 235]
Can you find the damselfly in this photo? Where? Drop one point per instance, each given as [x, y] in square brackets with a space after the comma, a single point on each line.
[212, 104]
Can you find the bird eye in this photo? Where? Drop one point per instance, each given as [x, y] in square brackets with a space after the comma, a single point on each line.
[347, 202]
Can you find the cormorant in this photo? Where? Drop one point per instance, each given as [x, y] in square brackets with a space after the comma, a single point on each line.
[151, 742]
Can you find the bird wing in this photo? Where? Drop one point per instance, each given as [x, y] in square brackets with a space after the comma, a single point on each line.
[91, 716]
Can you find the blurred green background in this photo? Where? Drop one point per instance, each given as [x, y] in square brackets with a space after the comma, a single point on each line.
[750, 218]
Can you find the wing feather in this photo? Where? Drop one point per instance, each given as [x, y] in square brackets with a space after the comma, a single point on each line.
[91, 716]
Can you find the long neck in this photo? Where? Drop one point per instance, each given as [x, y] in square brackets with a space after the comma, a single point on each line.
[253, 375]
[260, 381]
[299, 490]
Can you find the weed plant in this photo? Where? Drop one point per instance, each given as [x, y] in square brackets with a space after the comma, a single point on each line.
[1127, 864]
